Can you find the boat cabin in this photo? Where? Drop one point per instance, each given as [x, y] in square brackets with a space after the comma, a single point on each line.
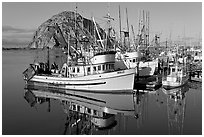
[175, 74]
[101, 63]
[132, 58]
[175, 70]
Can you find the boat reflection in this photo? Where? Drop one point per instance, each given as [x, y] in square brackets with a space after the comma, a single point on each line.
[89, 113]
[176, 104]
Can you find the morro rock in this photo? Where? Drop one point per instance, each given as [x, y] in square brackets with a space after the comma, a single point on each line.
[66, 25]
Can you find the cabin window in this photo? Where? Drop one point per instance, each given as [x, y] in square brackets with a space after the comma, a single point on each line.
[66, 71]
[133, 60]
[66, 102]
[95, 112]
[173, 69]
[94, 68]
[107, 66]
[73, 70]
[112, 66]
[196, 54]
[88, 69]
[89, 110]
[103, 67]
[99, 67]
[78, 70]
[78, 108]
[74, 107]
[63, 69]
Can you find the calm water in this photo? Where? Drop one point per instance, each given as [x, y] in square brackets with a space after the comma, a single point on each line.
[156, 112]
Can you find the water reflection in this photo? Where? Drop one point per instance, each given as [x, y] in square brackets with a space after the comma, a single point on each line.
[176, 105]
[141, 107]
[90, 113]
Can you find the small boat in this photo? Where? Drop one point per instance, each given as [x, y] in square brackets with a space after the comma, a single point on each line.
[177, 74]
[177, 77]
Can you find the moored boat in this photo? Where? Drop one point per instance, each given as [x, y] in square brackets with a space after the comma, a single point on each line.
[146, 67]
[100, 74]
[133, 60]
[177, 77]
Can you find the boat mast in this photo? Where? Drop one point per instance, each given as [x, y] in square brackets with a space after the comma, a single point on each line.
[139, 34]
[75, 27]
[68, 50]
[133, 37]
[128, 29]
[109, 26]
[120, 27]
[143, 25]
[148, 18]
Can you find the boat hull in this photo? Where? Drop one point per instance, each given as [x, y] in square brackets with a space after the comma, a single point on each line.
[111, 81]
[174, 84]
[147, 68]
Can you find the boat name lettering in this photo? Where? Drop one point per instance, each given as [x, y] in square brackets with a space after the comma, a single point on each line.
[120, 72]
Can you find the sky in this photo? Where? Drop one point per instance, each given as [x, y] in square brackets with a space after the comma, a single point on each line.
[21, 19]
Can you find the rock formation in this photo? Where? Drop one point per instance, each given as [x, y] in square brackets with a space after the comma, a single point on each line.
[56, 30]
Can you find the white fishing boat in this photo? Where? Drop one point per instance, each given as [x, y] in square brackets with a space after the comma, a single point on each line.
[132, 57]
[177, 77]
[98, 75]
[146, 67]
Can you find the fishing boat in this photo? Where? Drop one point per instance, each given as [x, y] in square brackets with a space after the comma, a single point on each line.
[177, 74]
[176, 77]
[96, 73]
[132, 55]
[100, 74]
[146, 67]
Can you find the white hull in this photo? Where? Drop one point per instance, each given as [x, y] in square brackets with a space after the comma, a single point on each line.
[117, 80]
[147, 68]
[170, 84]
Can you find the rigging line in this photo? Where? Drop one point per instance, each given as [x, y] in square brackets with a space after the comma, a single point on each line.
[100, 19]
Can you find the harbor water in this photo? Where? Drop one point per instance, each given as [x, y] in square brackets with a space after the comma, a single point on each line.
[158, 112]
